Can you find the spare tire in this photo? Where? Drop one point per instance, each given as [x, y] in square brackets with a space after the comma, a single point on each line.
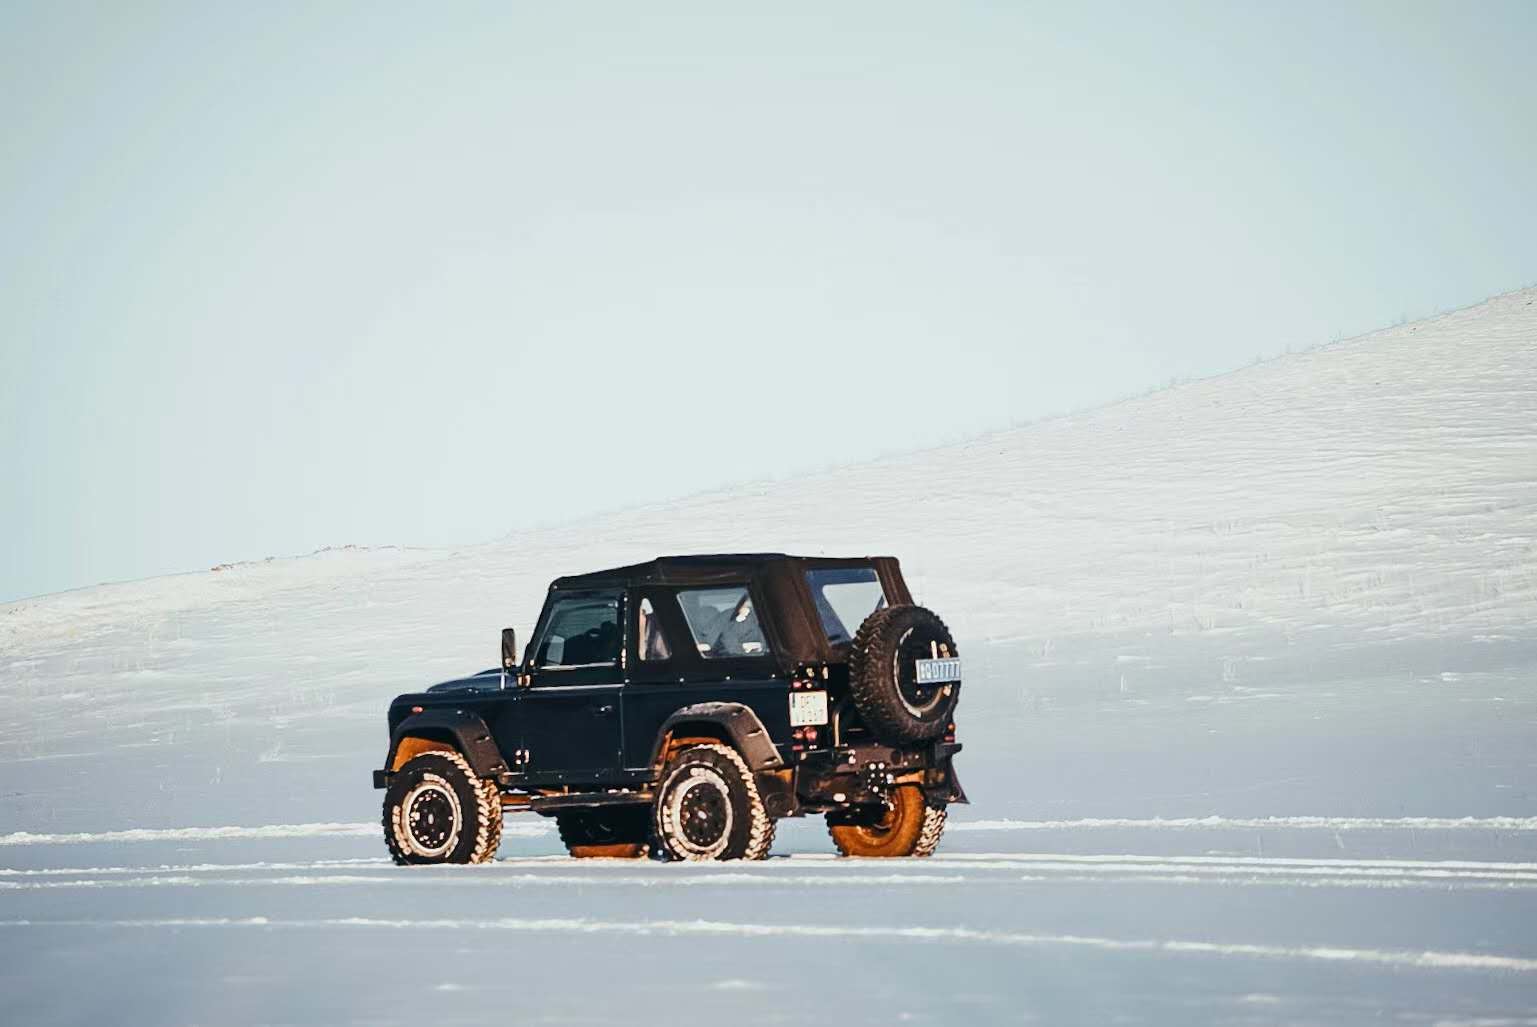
[883, 675]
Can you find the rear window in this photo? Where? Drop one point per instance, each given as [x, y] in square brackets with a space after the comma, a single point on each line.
[723, 622]
[844, 597]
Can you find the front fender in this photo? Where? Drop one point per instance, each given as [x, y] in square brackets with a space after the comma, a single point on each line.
[466, 732]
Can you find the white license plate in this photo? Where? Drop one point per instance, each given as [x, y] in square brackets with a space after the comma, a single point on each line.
[808, 708]
[939, 672]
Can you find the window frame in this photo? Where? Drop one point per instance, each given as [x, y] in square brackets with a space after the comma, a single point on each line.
[814, 593]
[541, 630]
[764, 630]
[662, 617]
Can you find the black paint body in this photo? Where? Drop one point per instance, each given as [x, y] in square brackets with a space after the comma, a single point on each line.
[598, 730]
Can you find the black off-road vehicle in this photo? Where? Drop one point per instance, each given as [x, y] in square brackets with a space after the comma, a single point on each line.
[682, 706]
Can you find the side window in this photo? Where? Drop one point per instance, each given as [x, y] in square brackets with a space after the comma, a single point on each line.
[723, 622]
[652, 642]
[582, 631]
[844, 597]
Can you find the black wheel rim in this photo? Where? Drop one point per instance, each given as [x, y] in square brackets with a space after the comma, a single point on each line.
[920, 700]
[431, 818]
[703, 814]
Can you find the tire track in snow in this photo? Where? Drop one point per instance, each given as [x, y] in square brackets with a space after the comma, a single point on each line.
[804, 861]
[810, 870]
[1305, 823]
[748, 880]
[516, 829]
[205, 834]
[727, 880]
[1275, 861]
[194, 868]
[1395, 958]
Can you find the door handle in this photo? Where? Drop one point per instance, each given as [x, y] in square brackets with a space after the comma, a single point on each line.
[603, 710]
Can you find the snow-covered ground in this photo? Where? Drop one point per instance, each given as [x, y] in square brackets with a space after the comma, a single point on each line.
[1250, 715]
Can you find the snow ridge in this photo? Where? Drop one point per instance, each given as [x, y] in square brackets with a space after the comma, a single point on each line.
[210, 834]
[1305, 823]
[1429, 960]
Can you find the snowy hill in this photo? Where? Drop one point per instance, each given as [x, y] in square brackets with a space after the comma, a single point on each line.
[1385, 483]
[1298, 599]
[1378, 492]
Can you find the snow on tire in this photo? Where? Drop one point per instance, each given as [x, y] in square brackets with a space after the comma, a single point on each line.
[438, 810]
[708, 807]
[933, 828]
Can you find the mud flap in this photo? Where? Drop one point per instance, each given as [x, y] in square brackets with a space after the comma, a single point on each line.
[777, 790]
[957, 793]
[940, 784]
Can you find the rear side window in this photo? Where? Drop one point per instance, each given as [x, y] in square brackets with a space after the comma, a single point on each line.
[653, 640]
[723, 622]
[844, 597]
[583, 631]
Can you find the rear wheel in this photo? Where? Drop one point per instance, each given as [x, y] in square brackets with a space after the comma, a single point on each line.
[909, 827]
[619, 833]
[708, 807]
[437, 810]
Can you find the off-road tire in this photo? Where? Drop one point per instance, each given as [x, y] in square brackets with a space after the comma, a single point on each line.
[882, 669]
[708, 808]
[933, 829]
[458, 816]
[621, 832]
[910, 827]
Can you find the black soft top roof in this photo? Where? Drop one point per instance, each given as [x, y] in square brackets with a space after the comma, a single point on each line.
[791, 616]
[692, 570]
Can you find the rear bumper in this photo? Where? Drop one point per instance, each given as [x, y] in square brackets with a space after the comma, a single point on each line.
[382, 778]
[851, 776]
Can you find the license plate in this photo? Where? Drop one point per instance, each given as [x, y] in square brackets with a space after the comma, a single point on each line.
[808, 708]
[939, 672]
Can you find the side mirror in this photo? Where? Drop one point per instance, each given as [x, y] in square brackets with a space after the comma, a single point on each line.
[509, 649]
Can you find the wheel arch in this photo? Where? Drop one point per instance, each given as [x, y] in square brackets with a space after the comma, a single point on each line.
[439, 730]
[729, 722]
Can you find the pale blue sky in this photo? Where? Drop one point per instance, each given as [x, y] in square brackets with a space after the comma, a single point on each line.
[280, 276]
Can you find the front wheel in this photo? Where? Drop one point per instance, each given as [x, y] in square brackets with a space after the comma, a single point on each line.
[708, 807]
[438, 810]
[909, 827]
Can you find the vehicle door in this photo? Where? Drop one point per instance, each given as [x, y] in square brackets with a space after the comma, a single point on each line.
[571, 707]
[658, 654]
[718, 652]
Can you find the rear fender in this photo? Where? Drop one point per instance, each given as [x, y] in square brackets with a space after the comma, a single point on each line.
[736, 723]
[740, 727]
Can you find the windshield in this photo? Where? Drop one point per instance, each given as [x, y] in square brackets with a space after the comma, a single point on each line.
[844, 597]
[583, 631]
